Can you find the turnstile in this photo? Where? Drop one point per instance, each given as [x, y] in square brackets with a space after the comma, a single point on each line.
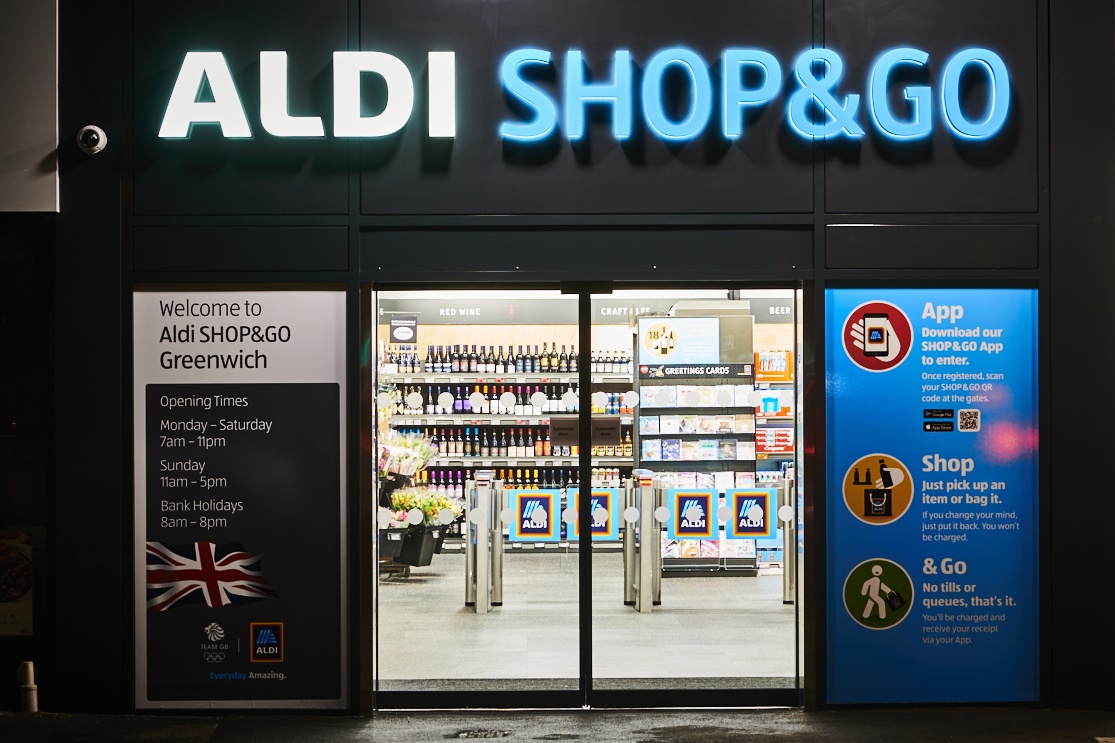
[642, 542]
[787, 498]
[485, 501]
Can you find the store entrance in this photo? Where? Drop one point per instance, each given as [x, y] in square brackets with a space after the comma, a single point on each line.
[511, 423]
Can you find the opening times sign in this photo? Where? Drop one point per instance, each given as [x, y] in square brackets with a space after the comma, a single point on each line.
[932, 495]
[239, 492]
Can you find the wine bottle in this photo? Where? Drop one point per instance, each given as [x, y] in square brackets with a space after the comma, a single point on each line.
[544, 359]
[563, 361]
[520, 406]
[458, 403]
[528, 448]
[547, 445]
[538, 444]
[502, 452]
[573, 359]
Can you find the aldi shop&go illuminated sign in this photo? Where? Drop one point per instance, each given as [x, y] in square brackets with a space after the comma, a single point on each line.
[817, 106]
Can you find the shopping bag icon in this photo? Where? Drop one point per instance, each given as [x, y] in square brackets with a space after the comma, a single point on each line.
[876, 502]
[895, 600]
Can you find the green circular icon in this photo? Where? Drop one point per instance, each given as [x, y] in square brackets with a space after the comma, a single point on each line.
[878, 593]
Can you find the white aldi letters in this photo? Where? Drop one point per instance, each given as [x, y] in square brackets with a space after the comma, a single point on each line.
[226, 109]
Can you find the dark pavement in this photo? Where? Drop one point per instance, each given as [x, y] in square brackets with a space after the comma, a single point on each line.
[907, 725]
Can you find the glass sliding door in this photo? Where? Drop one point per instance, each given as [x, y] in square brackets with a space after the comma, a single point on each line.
[468, 385]
[712, 406]
[675, 430]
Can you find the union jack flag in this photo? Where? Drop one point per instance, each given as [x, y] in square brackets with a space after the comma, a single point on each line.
[219, 574]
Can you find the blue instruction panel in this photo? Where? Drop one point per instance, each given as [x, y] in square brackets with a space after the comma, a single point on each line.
[932, 482]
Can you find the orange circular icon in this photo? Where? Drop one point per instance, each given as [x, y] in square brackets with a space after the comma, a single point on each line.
[878, 489]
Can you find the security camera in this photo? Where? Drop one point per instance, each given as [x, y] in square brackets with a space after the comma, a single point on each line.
[92, 139]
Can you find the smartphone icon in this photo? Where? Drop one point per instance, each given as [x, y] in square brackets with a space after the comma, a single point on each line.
[875, 338]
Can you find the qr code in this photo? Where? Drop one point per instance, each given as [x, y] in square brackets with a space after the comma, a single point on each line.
[969, 420]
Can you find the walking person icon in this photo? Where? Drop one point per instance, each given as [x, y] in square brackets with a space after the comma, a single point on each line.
[871, 588]
[873, 603]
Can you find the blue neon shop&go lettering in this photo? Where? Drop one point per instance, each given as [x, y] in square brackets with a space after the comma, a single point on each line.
[817, 74]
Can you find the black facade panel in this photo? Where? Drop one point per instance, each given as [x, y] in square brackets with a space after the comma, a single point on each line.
[767, 169]
[207, 173]
[92, 498]
[570, 254]
[941, 173]
[874, 246]
[1082, 234]
[240, 249]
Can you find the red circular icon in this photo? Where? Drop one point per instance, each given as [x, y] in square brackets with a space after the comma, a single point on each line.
[877, 336]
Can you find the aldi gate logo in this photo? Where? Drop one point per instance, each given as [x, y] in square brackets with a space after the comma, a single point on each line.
[692, 514]
[605, 514]
[267, 642]
[534, 515]
[750, 514]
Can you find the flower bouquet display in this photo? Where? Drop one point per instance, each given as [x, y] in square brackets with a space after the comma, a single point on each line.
[404, 454]
[412, 520]
[427, 514]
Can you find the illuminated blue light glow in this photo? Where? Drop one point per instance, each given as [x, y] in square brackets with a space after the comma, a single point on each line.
[579, 93]
[735, 96]
[919, 96]
[545, 110]
[700, 105]
[840, 119]
[998, 81]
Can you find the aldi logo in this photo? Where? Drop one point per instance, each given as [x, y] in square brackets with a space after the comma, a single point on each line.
[604, 508]
[534, 515]
[751, 514]
[693, 514]
[266, 642]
